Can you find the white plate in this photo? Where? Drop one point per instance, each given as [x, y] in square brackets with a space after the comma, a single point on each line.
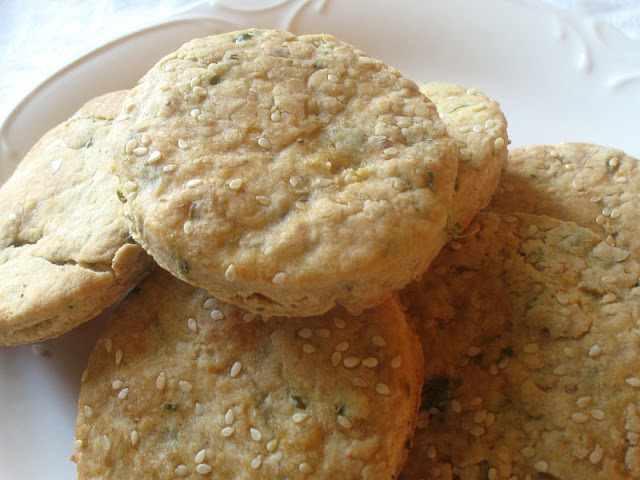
[559, 77]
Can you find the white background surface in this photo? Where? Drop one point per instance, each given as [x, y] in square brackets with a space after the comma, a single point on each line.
[571, 79]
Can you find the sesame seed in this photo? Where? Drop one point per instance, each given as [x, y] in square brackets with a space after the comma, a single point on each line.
[192, 324]
[493, 369]
[308, 348]
[256, 435]
[332, 78]
[229, 417]
[56, 164]
[88, 412]
[264, 142]
[370, 362]
[272, 445]
[116, 384]
[185, 386]
[106, 443]
[201, 456]
[169, 168]
[216, 314]
[256, 462]
[194, 182]
[583, 402]
[236, 184]
[140, 151]
[262, 200]
[201, 92]
[528, 452]
[344, 422]
[336, 358]
[230, 273]
[382, 389]
[108, 345]
[305, 467]
[181, 470]
[130, 146]
[492, 474]
[633, 381]
[198, 409]
[343, 346]
[391, 151]
[339, 323]
[299, 417]
[560, 371]
[541, 466]
[323, 332]
[305, 333]
[479, 107]
[597, 455]
[248, 317]
[161, 381]
[476, 401]
[531, 348]
[183, 143]
[279, 278]
[351, 362]
[464, 129]
[490, 419]
[360, 382]
[235, 369]
[579, 417]
[204, 468]
[145, 139]
[77, 444]
[276, 116]
[477, 128]
[597, 414]
[474, 351]
[480, 416]
[135, 436]
[621, 179]
[595, 351]
[569, 352]
[195, 112]
[227, 431]
[615, 213]
[378, 341]
[123, 393]
[600, 220]
[431, 451]
[118, 357]
[477, 431]
[613, 162]
[456, 406]
[396, 361]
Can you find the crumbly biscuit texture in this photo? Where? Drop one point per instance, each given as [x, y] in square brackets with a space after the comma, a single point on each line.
[531, 355]
[285, 174]
[595, 186]
[183, 385]
[65, 250]
[478, 126]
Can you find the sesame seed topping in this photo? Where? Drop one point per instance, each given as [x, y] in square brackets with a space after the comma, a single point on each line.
[118, 357]
[204, 468]
[264, 142]
[480, 416]
[596, 456]
[235, 369]
[560, 371]
[615, 213]
[130, 146]
[332, 78]
[229, 417]
[198, 408]
[541, 466]
[465, 129]
[476, 401]
[633, 381]
[528, 452]
[339, 323]
[456, 406]
[201, 92]
[583, 402]
[248, 317]
[477, 128]
[194, 182]
[323, 332]
[106, 443]
[336, 358]
[108, 345]
[276, 116]
[595, 351]
[116, 384]
[477, 431]
[343, 346]
[621, 179]
[305, 333]
[272, 445]
[262, 200]
[370, 362]
[431, 451]
[299, 417]
[344, 422]
[256, 462]
[227, 431]
[256, 435]
[474, 351]
[140, 151]
[145, 139]
[308, 348]
[378, 341]
[351, 362]
[123, 393]
[493, 369]
[135, 436]
[597, 414]
[183, 143]
[236, 184]
[88, 412]
[169, 168]
[185, 386]
[230, 273]
[490, 419]
[77, 444]
[85, 375]
[216, 314]
[195, 112]
[192, 324]
[382, 389]
[201, 456]
[181, 470]
[56, 164]
[396, 361]
[531, 348]
[305, 467]
[279, 278]
[161, 380]
[492, 474]
[360, 382]
[579, 417]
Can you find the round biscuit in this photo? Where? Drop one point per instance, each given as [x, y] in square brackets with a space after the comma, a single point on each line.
[531, 355]
[183, 385]
[65, 249]
[285, 174]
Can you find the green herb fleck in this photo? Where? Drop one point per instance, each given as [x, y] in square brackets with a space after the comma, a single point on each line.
[458, 108]
[89, 142]
[243, 36]
[183, 267]
[172, 407]
[431, 180]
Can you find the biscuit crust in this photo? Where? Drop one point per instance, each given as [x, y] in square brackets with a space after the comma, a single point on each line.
[183, 385]
[285, 174]
[65, 249]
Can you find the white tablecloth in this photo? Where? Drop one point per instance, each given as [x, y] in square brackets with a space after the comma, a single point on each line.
[37, 37]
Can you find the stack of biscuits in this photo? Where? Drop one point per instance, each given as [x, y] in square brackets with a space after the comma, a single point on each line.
[324, 270]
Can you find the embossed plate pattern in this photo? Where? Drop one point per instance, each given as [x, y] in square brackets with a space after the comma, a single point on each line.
[558, 76]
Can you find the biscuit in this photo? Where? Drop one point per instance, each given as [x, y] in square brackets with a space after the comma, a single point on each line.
[478, 126]
[65, 249]
[531, 355]
[285, 174]
[595, 186]
[183, 385]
